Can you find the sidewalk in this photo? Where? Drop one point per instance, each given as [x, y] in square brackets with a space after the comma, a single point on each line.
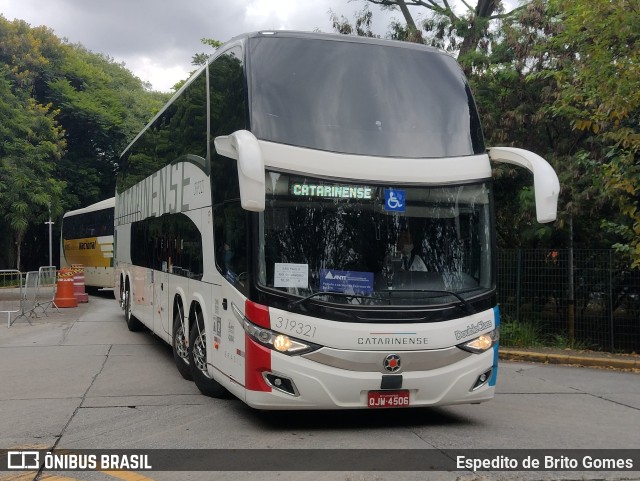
[572, 357]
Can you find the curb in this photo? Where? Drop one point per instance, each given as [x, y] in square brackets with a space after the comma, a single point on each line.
[573, 359]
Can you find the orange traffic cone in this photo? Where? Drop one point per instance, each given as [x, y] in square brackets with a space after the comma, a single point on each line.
[64, 289]
[78, 283]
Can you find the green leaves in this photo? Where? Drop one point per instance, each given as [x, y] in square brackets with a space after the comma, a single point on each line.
[65, 116]
[597, 74]
[33, 141]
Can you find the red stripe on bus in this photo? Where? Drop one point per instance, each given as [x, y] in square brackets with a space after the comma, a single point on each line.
[257, 360]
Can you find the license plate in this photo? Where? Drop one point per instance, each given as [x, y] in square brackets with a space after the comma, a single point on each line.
[388, 399]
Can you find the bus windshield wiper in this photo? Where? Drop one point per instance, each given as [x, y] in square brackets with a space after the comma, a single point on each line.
[463, 302]
[329, 293]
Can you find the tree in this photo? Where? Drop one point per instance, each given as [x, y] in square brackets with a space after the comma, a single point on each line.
[598, 92]
[361, 26]
[92, 106]
[200, 59]
[33, 141]
[515, 95]
[445, 28]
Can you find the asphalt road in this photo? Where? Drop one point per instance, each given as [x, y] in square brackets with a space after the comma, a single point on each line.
[80, 380]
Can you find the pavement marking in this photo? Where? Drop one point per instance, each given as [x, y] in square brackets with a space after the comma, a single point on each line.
[127, 475]
[28, 476]
[31, 475]
[53, 477]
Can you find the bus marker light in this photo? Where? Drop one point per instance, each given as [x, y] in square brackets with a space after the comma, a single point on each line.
[264, 336]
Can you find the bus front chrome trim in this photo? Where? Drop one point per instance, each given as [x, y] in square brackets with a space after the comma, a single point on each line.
[373, 361]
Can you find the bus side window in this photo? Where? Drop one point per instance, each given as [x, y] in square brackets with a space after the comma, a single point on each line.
[231, 243]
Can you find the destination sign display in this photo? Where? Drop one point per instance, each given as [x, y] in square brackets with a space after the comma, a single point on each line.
[332, 191]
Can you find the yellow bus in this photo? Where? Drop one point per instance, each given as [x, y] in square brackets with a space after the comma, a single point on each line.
[87, 239]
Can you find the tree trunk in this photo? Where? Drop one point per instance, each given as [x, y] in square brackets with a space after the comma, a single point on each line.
[478, 25]
[19, 235]
[478, 20]
[415, 35]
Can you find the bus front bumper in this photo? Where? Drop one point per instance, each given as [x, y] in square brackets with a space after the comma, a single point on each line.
[305, 384]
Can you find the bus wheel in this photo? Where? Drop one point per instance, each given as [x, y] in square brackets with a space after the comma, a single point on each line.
[132, 323]
[180, 345]
[198, 361]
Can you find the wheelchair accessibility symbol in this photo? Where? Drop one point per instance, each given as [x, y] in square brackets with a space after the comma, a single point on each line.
[394, 200]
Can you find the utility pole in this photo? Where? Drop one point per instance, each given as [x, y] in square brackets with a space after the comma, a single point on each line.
[50, 239]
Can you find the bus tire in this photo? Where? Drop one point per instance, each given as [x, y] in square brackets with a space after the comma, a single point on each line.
[121, 294]
[198, 362]
[181, 346]
[133, 324]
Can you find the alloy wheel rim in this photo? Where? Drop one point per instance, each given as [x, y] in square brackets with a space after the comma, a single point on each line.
[181, 345]
[199, 354]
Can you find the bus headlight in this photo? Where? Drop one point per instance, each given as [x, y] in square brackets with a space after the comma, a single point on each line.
[481, 343]
[282, 343]
[272, 339]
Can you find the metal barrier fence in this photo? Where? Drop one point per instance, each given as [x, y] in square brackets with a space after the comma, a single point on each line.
[10, 293]
[30, 292]
[23, 293]
[582, 298]
[47, 278]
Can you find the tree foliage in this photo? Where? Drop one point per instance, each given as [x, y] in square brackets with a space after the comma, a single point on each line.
[560, 78]
[65, 116]
[361, 26]
[32, 144]
[440, 25]
[598, 84]
[201, 58]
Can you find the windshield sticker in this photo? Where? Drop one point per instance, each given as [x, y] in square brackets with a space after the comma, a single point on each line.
[394, 200]
[291, 275]
[334, 191]
[349, 282]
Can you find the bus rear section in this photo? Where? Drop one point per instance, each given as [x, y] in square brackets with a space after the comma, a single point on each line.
[339, 251]
[87, 239]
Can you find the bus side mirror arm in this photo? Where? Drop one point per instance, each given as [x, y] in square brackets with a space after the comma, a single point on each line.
[545, 180]
[243, 146]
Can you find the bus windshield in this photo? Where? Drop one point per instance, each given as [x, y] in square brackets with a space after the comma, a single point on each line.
[383, 244]
[344, 97]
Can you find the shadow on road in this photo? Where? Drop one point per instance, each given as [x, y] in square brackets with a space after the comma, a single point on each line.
[354, 419]
[104, 293]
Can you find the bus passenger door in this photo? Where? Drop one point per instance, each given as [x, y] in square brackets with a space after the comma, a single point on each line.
[229, 341]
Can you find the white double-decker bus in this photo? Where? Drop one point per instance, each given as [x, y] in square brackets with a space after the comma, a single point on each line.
[309, 223]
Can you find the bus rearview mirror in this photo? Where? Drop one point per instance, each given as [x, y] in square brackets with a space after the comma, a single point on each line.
[545, 180]
[243, 146]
